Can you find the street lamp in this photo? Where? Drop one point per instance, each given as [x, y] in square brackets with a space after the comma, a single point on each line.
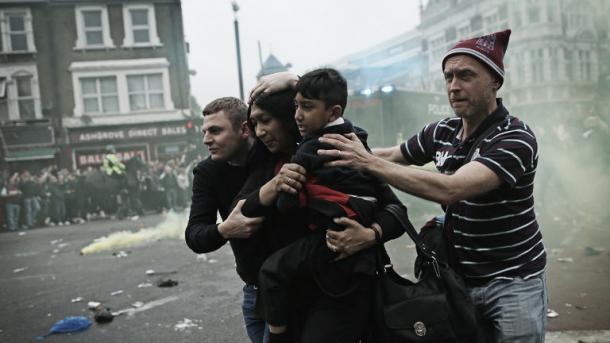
[235, 7]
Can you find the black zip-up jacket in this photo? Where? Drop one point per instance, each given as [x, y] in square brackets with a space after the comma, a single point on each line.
[284, 228]
[215, 185]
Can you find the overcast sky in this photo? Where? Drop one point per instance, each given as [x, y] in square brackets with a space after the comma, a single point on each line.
[306, 33]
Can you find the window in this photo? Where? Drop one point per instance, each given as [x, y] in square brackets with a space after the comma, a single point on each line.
[25, 97]
[533, 14]
[140, 26]
[16, 28]
[584, 58]
[100, 95]
[92, 27]
[120, 87]
[145, 92]
[537, 61]
[3, 100]
[19, 94]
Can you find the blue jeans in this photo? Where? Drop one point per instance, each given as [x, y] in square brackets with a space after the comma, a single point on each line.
[31, 207]
[256, 328]
[513, 310]
[12, 216]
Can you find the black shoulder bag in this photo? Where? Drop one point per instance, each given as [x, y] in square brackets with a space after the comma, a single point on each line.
[436, 308]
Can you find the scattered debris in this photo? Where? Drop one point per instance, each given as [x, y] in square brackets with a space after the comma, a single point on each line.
[150, 272]
[120, 291]
[580, 307]
[55, 241]
[144, 285]
[592, 251]
[167, 283]
[136, 217]
[67, 325]
[21, 233]
[184, 324]
[212, 260]
[582, 295]
[122, 253]
[569, 305]
[551, 314]
[77, 300]
[137, 304]
[55, 251]
[103, 315]
[565, 259]
[94, 305]
[203, 257]
[19, 270]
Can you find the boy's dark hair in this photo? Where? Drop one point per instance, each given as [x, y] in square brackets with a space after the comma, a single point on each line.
[281, 106]
[233, 108]
[324, 84]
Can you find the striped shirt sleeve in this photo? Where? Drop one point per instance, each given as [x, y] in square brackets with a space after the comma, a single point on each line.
[418, 150]
[510, 154]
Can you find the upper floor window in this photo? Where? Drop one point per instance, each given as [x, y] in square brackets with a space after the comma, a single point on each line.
[145, 92]
[100, 94]
[19, 94]
[140, 25]
[93, 30]
[119, 87]
[16, 28]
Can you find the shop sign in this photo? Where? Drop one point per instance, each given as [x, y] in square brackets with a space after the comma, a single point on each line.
[126, 133]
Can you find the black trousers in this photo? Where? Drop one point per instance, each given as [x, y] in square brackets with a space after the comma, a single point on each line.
[335, 308]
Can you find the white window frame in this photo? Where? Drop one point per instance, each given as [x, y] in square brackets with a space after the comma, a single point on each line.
[98, 95]
[121, 69]
[10, 72]
[146, 92]
[152, 26]
[81, 37]
[6, 34]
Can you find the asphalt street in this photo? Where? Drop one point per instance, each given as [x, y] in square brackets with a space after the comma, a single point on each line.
[45, 278]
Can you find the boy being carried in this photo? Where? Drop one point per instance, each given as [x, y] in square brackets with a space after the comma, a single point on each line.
[329, 193]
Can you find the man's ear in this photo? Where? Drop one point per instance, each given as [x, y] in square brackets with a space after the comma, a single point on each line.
[245, 131]
[336, 112]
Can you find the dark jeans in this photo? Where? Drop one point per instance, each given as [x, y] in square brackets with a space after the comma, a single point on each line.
[256, 328]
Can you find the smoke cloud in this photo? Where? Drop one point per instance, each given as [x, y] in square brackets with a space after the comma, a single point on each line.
[172, 226]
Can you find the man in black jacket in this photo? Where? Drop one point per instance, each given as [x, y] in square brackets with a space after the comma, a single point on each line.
[217, 180]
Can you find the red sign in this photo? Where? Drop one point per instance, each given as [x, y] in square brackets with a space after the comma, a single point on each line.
[95, 158]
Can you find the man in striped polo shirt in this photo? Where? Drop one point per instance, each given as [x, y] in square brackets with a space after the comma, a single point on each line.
[496, 241]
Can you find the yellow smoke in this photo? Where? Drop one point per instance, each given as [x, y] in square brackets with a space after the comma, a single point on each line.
[172, 226]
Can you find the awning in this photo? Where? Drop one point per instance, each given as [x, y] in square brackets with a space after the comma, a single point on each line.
[30, 154]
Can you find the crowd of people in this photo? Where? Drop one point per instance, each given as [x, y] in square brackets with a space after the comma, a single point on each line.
[55, 196]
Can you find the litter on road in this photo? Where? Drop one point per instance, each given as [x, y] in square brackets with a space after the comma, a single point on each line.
[103, 315]
[94, 305]
[565, 259]
[551, 314]
[19, 270]
[77, 299]
[120, 291]
[67, 325]
[167, 283]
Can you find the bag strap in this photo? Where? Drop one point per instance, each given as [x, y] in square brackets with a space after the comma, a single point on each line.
[397, 212]
[449, 209]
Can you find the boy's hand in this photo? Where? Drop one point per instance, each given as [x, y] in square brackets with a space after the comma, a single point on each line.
[274, 83]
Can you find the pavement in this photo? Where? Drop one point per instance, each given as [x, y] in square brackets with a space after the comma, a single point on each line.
[45, 278]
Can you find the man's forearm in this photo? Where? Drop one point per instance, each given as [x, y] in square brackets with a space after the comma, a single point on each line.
[421, 183]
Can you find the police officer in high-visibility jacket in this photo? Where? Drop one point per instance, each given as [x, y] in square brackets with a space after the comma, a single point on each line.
[111, 163]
